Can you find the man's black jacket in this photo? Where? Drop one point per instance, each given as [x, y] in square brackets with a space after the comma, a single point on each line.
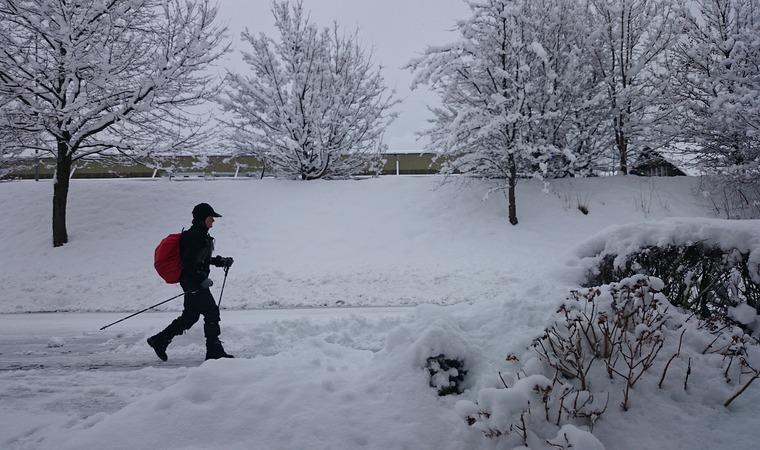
[196, 246]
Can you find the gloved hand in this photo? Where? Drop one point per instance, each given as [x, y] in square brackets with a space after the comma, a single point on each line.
[221, 261]
[207, 283]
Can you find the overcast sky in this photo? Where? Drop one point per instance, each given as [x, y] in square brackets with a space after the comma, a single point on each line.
[398, 30]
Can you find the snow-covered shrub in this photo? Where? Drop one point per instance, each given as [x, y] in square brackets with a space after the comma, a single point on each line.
[611, 332]
[605, 346]
[530, 411]
[709, 266]
[446, 374]
[570, 437]
[500, 412]
[606, 332]
[618, 325]
[705, 279]
[440, 349]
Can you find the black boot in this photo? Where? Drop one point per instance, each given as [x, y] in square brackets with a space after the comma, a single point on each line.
[214, 350]
[159, 343]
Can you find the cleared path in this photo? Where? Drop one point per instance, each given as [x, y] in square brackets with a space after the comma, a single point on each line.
[73, 341]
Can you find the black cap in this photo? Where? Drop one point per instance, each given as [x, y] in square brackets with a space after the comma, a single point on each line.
[203, 210]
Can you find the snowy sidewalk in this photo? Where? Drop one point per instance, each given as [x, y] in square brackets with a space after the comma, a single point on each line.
[73, 340]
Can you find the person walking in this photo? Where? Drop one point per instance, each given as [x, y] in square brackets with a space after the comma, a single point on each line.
[196, 247]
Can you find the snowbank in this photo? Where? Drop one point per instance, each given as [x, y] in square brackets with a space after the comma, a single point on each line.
[319, 396]
[623, 240]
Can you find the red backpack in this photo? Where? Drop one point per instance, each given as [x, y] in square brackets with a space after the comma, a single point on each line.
[167, 259]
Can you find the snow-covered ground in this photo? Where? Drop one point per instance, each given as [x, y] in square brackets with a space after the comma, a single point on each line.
[386, 241]
[332, 378]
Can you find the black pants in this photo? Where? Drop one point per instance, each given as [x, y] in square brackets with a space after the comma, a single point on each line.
[200, 302]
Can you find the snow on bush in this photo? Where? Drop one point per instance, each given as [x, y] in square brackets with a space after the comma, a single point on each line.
[711, 267]
[624, 240]
[446, 374]
[618, 324]
[521, 414]
[613, 330]
[745, 315]
[603, 345]
[570, 437]
[498, 412]
[441, 350]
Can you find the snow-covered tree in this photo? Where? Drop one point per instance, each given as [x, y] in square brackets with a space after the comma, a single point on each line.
[571, 107]
[628, 40]
[313, 104]
[716, 78]
[80, 77]
[516, 100]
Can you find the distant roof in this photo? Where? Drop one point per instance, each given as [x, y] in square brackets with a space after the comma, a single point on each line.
[680, 156]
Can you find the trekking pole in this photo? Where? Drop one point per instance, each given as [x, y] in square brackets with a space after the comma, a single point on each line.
[150, 307]
[226, 269]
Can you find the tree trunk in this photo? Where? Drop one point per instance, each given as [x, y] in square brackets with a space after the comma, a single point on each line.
[622, 145]
[60, 195]
[312, 172]
[511, 193]
[624, 159]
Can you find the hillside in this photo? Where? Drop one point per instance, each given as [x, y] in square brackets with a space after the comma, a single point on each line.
[382, 241]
